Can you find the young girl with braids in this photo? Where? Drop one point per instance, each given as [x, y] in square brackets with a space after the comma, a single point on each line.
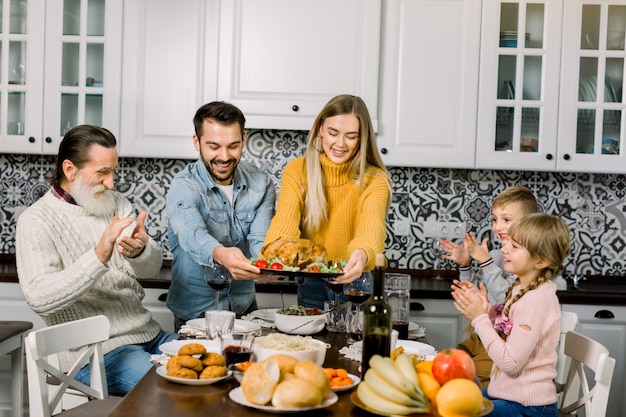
[521, 334]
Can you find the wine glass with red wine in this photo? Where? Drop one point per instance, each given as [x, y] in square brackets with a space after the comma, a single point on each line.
[237, 347]
[358, 292]
[219, 279]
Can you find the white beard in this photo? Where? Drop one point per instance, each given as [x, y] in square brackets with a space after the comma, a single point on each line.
[94, 199]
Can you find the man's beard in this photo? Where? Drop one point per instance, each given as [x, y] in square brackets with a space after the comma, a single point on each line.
[94, 199]
[220, 177]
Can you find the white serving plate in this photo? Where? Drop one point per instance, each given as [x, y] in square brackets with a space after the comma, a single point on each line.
[172, 347]
[241, 326]
[355, 381]
[237, 396]
[162, 371]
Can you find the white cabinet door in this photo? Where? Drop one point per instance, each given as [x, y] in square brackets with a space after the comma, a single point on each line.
[443, 323]
[169, 70]
[591, 115]
[155, 302]
[519, 84]
[429, 83]
[596, 323]
[280, 61]
[62, 69]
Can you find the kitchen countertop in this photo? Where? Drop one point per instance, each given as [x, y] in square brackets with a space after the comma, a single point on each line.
[594, 290]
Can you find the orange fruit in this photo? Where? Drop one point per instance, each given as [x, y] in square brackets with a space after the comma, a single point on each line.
[459, 397]
[424, 367]
[429, 386]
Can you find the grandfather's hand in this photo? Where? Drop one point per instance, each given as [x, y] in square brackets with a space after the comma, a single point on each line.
[104, 248]
[133, 245]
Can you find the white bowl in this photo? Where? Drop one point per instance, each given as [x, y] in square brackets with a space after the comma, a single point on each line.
[316, 354]
[303, 325]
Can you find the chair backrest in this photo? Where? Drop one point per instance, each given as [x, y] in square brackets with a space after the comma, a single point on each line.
[42, 347]
[569, 321]
[586, 354]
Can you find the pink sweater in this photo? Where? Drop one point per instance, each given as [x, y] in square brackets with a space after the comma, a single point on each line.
[524, 364]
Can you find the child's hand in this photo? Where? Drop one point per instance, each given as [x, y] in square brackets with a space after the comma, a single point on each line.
[455, 253]
[469, 300]
[479, 252]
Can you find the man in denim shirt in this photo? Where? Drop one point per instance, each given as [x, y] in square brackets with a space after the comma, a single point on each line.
[218, 210]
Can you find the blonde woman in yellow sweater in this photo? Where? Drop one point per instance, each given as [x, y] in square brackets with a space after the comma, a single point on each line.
[337, 195]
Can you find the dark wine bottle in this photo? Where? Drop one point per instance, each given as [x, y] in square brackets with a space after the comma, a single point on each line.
[376, 319]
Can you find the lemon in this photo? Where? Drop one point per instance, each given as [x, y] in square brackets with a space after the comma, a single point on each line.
[429, 385]
[424, 367]
[459, 397]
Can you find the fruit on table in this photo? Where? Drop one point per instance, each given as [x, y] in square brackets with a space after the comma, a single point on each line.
[453, 363]
[459, 397]
[391, 387]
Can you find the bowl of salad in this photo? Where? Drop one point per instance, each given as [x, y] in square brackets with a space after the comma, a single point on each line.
[300, 320]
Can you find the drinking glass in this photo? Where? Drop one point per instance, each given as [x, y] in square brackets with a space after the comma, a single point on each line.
[358, 291]
[219, 323]
[237, 347]
[218, 278]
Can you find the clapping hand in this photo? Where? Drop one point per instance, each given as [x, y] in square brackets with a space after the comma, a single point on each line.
[470, 300]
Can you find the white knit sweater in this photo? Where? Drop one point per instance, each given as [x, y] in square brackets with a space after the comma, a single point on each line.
[63, 279]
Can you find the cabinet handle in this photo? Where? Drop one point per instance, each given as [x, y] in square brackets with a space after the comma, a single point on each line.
[48, 139]
[566, 157]
[549, 157]
[383, 151]
[604, 314]
[415, 306]
[295, 107]
[31, 139]
[163, 297]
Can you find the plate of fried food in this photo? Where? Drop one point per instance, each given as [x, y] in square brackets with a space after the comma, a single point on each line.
[194, 365]
[297, 257]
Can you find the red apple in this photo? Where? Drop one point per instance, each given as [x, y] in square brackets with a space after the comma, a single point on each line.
[453, 363]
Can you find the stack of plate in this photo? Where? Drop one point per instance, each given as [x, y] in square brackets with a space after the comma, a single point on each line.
[508, 38]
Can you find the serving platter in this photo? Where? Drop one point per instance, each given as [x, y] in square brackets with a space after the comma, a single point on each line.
[237, 396]
[162, 371]
[354, 397]
[306, 274]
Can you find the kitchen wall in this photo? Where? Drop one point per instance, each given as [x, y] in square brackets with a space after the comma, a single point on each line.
[591, 204]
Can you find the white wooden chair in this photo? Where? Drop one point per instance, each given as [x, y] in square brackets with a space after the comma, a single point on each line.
[569, 321]
[12, 335]
[586, 355]
[42, 347]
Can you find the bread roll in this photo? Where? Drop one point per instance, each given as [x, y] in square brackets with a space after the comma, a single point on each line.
[286, 363]
[259, 381]
[296, 392]
[315, 374]
[192, 349]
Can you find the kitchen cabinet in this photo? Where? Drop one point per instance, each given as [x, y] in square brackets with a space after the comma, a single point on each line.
[443, 323]
[429, 83]
[170, 69]
[155, 302]
[280, 61]
[607, 325]
[60, 67]
[550, 86]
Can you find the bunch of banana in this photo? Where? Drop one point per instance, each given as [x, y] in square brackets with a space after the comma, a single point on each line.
[391, 387]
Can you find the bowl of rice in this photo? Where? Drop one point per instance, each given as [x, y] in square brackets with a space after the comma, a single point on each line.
[300, 347]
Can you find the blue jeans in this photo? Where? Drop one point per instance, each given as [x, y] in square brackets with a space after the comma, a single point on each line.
[504, 408]
[127, 364]
[312, 292]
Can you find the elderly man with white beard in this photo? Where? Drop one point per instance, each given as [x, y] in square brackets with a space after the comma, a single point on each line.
[80, 250]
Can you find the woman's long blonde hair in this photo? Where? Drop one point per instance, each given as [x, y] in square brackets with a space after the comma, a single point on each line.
[365, 157]
[544, 237]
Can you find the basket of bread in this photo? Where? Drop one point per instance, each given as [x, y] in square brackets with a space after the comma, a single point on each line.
[286, 383]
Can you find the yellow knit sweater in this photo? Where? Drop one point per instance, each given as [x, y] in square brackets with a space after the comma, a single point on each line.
[356, 217]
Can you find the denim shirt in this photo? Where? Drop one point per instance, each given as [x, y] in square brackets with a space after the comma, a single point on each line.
[200, 218]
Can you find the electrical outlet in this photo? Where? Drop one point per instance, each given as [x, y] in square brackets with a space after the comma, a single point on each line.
[444, 230]
[456, 230]
[401, 228]
[430, 229]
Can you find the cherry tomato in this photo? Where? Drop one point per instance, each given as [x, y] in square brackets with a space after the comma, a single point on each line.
[276, 265]
[261, 263]
[313, 268]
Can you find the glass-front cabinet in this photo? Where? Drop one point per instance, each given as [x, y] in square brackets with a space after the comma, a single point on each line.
[519, 84]
[551, 86]
[60, 66]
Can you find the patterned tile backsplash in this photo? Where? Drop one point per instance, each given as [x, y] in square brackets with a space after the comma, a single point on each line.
[592, 204]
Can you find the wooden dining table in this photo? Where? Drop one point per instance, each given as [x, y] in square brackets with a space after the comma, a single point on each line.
[155, 396]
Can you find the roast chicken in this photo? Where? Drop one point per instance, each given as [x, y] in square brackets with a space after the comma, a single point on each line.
[294, 252]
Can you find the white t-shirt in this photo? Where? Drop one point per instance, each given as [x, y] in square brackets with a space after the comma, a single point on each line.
[228, 192]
